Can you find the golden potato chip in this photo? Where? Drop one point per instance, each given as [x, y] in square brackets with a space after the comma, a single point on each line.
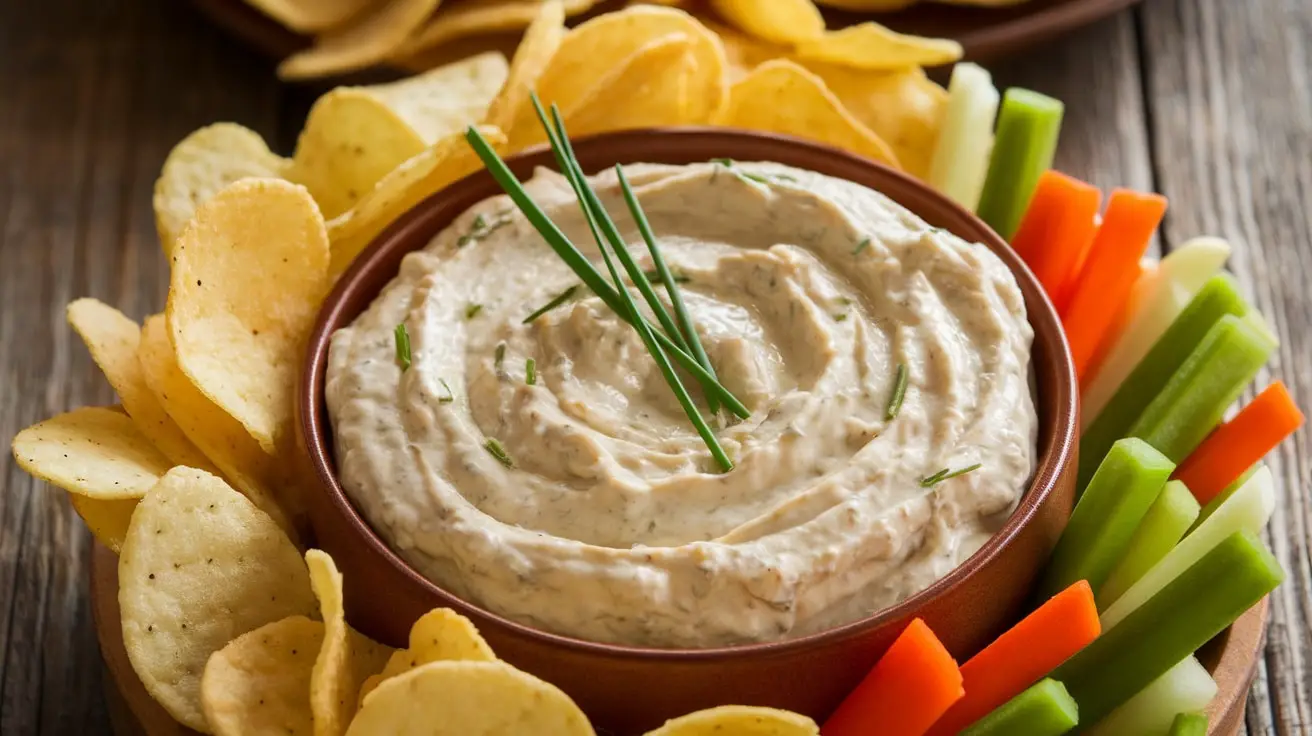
[248, 275]
[647, 89]
[536, 49]
[445, 100]
[364, 42]
[311, 16]
[259, 683]
[873, 47]
[218, 435]
[468, 699]
[92, 451]
[478, 17]
[744, 53]
[203, 163]
[439, 635]
[199, 567]
[780, 21]
[739, 720]
[873, 5]
[781, 97]
[113, 340]
[412, 182]
[107, 519]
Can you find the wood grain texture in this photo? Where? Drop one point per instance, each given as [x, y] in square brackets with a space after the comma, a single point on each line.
[1207, 100]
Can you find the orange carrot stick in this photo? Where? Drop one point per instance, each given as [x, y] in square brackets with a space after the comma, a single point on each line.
[1022, 656]
[1057, 230]
[1109, 272]
[914, 683]
[1240, 443]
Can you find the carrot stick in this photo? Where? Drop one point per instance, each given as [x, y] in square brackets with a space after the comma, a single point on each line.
[1058, 227]
[1240, 443]
[914, 683]
[1019, 658]
[1108, 274]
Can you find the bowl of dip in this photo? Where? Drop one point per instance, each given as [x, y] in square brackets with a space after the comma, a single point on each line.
[576, 516]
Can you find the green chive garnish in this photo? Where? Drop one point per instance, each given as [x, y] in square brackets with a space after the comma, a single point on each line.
[840, 317]
[472, 310]
[530, 371]
[402, 346]
[499, 356]
[556, 301]
[753, 177]
[899, 393]
[450, 396]
[655, 277]
[498, 451]
[861, 246]
[946, 474]
[726, 162]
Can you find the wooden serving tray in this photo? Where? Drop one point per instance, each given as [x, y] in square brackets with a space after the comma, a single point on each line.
[1231, 658]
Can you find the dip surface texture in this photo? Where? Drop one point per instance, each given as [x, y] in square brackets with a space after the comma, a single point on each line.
[611, 522]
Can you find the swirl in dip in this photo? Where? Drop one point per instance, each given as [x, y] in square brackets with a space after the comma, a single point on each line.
[612, 522]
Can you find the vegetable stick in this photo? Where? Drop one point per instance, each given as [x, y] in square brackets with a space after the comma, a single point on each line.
[1180, 617]
[1158, 297]
[961, 155]
[1189, 724]
[1196, 397]
[1218, 297]
[912, 685]
[1062, 626]
[1058, 226]
[1185, 688]
[1143, 271]
[1108, 274]
[1211, 507]
[1023, 146]
[1247, 510]
[1165, 524]
[1240, 443]
[1106, 516]
[1045, 709]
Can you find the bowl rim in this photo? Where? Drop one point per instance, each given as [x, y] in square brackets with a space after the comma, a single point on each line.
[1055, 451]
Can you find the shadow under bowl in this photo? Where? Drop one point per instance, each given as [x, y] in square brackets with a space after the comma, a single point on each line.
[627, 689]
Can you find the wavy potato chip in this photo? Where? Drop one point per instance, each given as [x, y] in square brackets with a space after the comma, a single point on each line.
[873, 47]
[92, 451]
[480, 17]
[780, 21]
[439, 635]
[107, 518]
[468, 699]
[367, 40]
[739, 720]
[200, 566]
[538, 46]
[259, 683]
[780, 96]
[202, 164]
[446, 99]
[248, 275]
[311, 16]
[412, 182]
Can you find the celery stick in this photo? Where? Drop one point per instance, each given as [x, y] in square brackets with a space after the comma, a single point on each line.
[1162, 527]
[1221, 497]
[1185, 688]
[1023, 147]
[1045, 709]
[1189, 724]
[1195, 606]
[1158, 298]
[961, 155]
[1247, 510]
[1218, 297]
[1105, 517]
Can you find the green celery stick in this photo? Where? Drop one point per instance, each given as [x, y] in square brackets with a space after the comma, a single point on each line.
[1185, 688]
[1196, 606]
[1189, 724]
[1218, 297]
[1045, 709]
[1162, 527]
[961, 155]
[1247, 510]
[1023, 146]
[1212, 377]
[1106, 516]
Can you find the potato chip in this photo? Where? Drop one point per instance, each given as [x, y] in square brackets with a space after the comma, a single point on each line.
[647, 89]
[311, 16]
[362, 43]
[439, 635]
[739, 720]
[411, 183]
[259, 683]
[874, 5]
[539, 45]
[479, 17]
[218, 435]
[248, 275]
[113, 340]
[781, 97]
[445, 100]
[199, 567]
[203, 163]
[107, 519]
[92, 451]
[873, 47]
[780, 21]
[468, 699]
[742, 52]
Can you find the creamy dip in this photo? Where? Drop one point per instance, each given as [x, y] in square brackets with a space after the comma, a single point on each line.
[610, 521]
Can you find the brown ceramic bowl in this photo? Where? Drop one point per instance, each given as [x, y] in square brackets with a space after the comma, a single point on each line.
[629, 689]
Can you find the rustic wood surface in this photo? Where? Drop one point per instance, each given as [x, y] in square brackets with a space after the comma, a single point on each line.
[1207, 101]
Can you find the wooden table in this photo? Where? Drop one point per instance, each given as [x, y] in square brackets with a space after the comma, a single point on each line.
[1207, 101]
